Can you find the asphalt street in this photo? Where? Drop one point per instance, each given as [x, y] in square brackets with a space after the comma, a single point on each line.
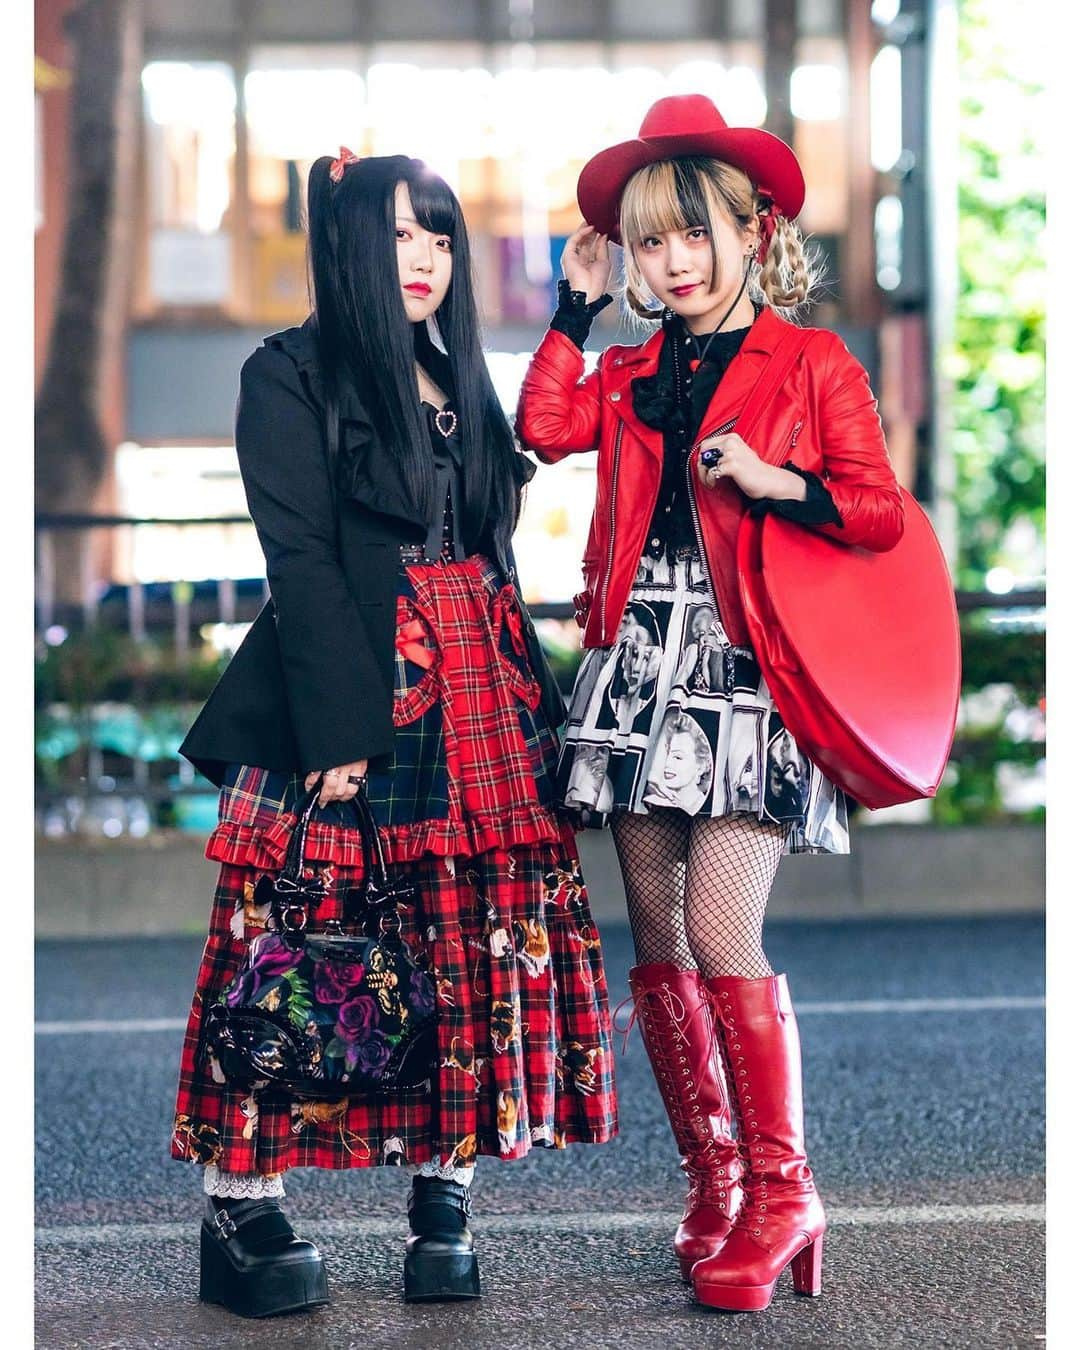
[923, 1052]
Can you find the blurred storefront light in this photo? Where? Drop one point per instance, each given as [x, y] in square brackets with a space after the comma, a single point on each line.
[818, 93]
[302, 114]
[743, 100]
[1000, 580]
[886, 91]
[884, 11]
[193, 101]
[188, 93]
[888, 241]
[190, 145]
[185, 482]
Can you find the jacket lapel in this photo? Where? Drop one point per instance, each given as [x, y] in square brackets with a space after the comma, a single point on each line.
[630, 365]
[730, 395]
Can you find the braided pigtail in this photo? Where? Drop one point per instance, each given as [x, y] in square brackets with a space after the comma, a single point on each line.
[790, 271]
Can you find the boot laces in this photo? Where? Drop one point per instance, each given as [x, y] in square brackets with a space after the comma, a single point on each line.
[680, 1018]
[668, 999]
[710, 1180]
[754, 1212]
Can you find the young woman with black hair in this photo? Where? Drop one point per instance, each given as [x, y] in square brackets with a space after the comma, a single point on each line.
[396, 656]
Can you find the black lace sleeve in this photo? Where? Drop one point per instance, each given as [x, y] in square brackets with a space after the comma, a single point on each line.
[573, 316]
[818, 508]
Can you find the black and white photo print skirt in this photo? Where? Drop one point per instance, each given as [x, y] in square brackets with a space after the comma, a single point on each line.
[674, 715]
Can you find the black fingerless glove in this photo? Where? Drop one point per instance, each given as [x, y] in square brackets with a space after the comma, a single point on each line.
[574, 317]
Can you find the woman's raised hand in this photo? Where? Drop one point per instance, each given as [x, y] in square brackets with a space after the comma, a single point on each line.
[336, 786]
[585, 262]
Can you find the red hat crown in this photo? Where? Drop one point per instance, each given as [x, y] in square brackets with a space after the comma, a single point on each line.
[680, 115]
[689, 124]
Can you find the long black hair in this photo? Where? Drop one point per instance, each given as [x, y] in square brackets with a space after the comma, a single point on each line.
[367, 340]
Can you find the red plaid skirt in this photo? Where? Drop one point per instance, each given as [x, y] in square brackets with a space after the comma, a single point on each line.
[466, 809]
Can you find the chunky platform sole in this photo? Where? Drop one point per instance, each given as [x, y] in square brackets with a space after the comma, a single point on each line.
[289, 1286]
[435, 1277]
[805, 1268]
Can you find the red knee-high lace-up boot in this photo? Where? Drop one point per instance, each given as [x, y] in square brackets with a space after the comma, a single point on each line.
[782, 1221]
[678, 1029]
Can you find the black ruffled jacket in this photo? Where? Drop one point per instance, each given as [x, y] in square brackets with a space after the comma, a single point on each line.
[312, 683]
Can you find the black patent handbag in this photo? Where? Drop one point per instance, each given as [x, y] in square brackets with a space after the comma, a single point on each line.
[334, 1012]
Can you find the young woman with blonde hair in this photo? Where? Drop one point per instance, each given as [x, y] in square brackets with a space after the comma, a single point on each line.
[713, 259]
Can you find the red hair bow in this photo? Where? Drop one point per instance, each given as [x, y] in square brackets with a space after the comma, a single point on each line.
[337, 169]
[768, 229]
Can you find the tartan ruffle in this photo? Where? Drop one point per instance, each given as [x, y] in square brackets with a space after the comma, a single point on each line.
[264, 846]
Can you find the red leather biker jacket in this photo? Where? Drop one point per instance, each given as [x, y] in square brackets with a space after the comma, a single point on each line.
[824, 418]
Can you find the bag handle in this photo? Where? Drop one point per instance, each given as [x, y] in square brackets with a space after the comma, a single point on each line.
[785, 354]
[374, 859]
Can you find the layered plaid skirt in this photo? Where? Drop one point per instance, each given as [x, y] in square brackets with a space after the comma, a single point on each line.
[466, 808]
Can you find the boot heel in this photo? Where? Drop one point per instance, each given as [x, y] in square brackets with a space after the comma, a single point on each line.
[288, 1287]
[806, 1269]
[437, 1276]
[212, 1273]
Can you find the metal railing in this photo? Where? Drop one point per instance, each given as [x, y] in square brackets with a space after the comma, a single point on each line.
[130, 792]
[180, 604]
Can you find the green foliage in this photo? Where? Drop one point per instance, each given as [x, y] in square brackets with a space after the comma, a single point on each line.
[993, 657]
[104, 665]
[970, 793]
[997, 361]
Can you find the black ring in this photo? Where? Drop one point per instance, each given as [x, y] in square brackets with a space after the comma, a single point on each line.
[357, 779]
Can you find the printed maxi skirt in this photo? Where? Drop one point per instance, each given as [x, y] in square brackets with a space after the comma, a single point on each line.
[466, 808]
[674, 715]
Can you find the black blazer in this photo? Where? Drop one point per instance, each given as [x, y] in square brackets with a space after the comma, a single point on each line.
[312, 683]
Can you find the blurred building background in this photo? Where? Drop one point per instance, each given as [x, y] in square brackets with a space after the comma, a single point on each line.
[174, 141]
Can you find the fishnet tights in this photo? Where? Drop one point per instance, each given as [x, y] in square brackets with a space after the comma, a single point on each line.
[696, 888]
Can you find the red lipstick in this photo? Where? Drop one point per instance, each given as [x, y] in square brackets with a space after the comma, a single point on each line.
[685, 290]
[419, 288]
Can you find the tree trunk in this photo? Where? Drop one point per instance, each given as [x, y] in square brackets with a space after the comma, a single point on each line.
[85, 346]
[72, 450]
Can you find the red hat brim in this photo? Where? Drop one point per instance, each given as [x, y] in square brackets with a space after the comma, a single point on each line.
[768, 161]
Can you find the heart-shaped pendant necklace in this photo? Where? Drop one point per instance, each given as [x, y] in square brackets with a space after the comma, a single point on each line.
[446, 431]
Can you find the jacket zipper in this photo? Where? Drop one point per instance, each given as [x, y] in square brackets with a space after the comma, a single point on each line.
[690, 489]
[795, 434]
[611, 534]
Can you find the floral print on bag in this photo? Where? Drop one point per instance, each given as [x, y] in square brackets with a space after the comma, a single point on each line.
[319, 1012]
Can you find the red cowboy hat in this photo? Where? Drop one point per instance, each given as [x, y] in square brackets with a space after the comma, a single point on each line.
[688, 124]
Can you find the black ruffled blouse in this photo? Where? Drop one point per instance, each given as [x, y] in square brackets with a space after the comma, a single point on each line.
[674, 401]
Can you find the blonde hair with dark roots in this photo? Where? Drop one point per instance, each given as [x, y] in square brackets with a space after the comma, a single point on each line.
[652, 204]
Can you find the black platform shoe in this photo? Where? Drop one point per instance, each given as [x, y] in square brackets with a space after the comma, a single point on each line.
[440, 1263]
[253, 1262]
